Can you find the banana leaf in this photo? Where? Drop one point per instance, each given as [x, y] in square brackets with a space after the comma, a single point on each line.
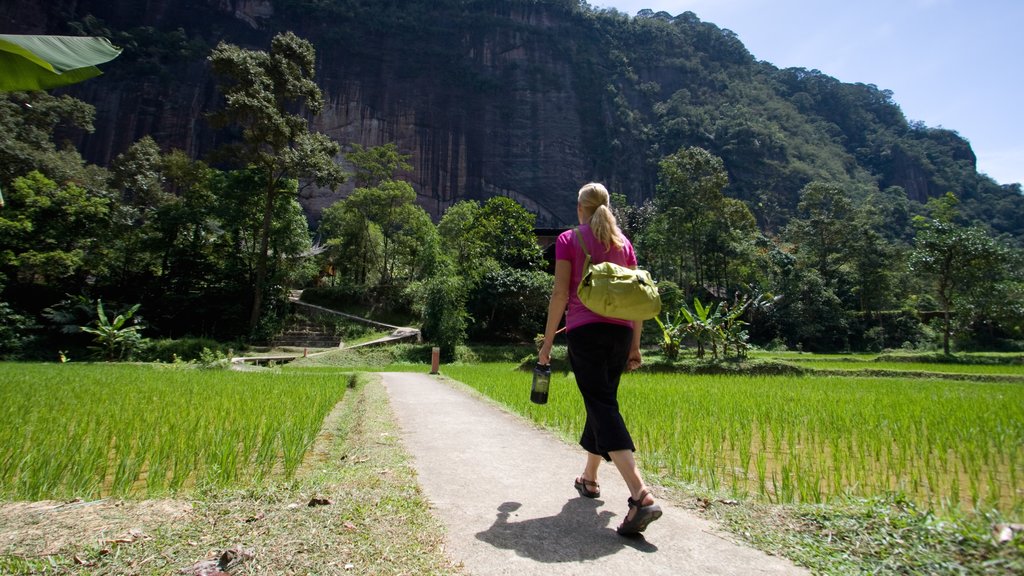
[34, 62]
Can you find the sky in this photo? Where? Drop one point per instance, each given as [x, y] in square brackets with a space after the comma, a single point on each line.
[955, 64]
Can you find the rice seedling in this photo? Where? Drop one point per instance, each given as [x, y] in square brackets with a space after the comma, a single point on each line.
[90, 431]
[852, 365]
[944, 444]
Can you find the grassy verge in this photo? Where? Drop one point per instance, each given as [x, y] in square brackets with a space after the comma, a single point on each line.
[374, 519]
[881, 535]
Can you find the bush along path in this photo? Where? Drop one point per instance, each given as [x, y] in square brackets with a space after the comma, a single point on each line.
[503, 488]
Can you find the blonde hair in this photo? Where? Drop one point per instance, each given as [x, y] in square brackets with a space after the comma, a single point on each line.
[594, 202]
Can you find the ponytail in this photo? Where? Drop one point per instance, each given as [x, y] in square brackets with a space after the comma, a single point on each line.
[594, 200]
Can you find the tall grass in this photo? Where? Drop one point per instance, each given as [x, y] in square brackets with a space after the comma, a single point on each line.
[96, 430]
[782, 438]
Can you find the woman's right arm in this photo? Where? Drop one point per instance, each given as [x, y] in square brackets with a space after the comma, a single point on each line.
[556, 308]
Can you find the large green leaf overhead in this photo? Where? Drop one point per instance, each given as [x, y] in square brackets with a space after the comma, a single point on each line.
[34, 62]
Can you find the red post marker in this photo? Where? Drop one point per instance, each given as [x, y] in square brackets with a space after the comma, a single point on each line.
[435, 359]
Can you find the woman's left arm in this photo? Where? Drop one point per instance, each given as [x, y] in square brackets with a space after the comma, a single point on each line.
[556, 308]
[635, 359]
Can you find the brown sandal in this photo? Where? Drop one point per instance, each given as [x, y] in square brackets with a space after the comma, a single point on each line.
[643, 516]
[581, 484]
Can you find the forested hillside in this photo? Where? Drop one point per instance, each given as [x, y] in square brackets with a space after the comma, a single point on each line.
[401, 156]
[526, 99]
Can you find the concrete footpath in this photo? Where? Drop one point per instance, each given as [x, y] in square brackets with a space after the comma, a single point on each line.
[503, 489]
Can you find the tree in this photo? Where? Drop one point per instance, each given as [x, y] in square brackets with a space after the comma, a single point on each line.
[444, 313]
[379, 235]
[478, 239]
[957, 259]
[493, 249]
[138, 175]
[821, 230]
[507, 229]
[509, 304]
[408, 237]
[354, 246]
[264, 93]
[464, 247]
[376, 165]
[689, 199]
[27, 125]
[52, 234]
[731, 253]
[807, 310]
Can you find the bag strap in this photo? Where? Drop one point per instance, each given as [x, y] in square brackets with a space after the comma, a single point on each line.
[583, 244]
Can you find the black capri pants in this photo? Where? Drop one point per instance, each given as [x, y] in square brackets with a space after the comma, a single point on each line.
[598, 353]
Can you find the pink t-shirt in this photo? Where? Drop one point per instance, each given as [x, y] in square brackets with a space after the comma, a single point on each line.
[566, 248]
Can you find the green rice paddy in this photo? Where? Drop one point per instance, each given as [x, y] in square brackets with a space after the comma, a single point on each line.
[944, 444]
[89, 431]
[93, 430]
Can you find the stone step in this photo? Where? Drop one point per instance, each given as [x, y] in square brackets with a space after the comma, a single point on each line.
[319, 342]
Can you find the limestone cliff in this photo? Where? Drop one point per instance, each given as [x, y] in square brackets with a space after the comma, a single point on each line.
[523, 98]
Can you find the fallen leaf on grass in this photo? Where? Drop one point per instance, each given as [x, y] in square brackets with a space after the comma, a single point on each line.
[202, 568]
[350, 526]
[218, 567]
[132, 536]
[81, 562]
[317, 501]
[1003, 533]
[230, 555]
[255, 518]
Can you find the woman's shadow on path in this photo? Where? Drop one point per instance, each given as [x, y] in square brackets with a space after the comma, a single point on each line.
[578, 532]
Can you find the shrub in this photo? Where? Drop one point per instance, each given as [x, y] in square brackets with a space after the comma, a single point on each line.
[182, 349]
[14, 331]
[509, 305]
[444, 313]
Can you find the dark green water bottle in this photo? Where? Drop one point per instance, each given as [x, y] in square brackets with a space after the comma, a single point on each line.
[541, 381]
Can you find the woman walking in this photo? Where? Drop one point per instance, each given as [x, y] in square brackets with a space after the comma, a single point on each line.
[600, 348]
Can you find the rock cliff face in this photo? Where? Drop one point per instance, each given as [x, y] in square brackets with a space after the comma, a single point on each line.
[504, 120]
[514, 135]
[528, 99]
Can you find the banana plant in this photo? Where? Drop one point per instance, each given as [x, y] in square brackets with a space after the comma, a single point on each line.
[703, 324]
[733, 331]
[114, 340]
[671, 334]
[717, 325]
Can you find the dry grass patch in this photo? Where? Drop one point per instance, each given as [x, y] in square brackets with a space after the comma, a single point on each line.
[46, 528]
